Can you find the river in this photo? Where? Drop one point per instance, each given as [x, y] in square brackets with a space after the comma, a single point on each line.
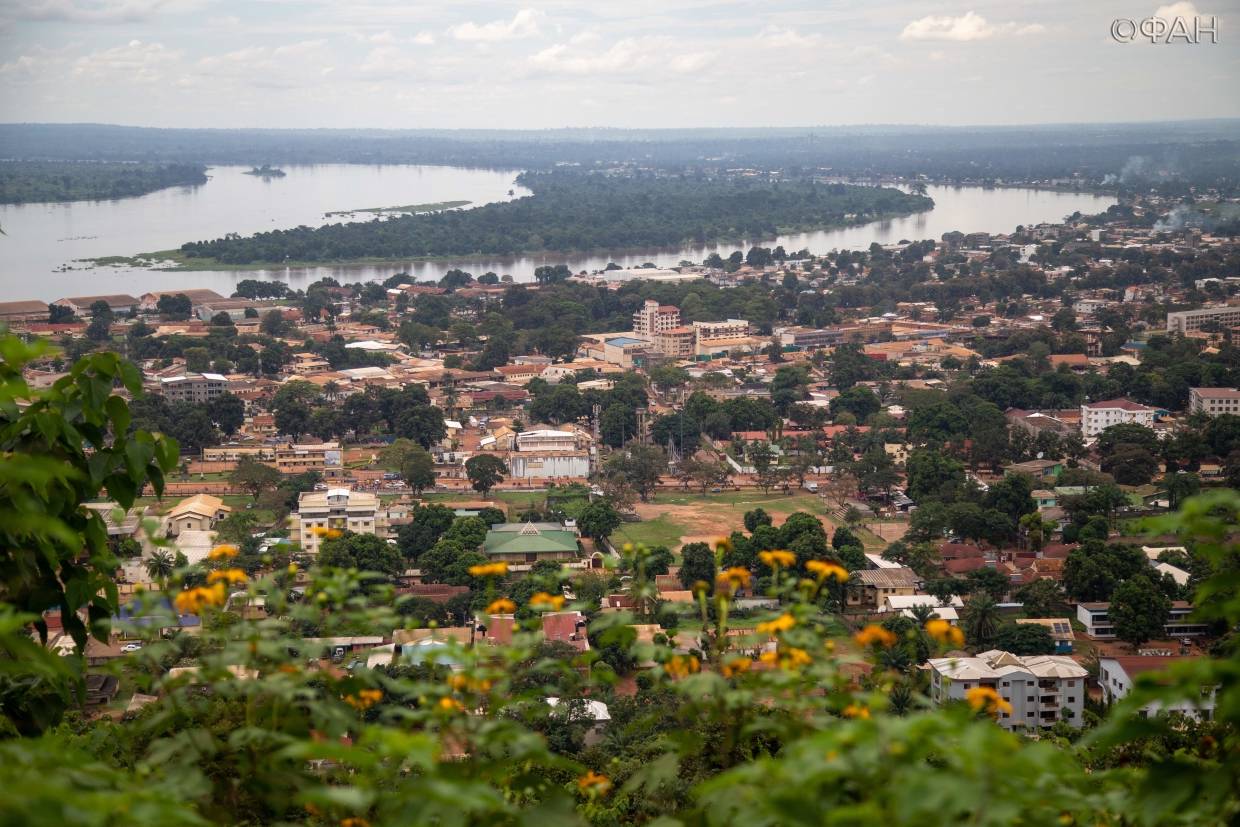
[42, 242]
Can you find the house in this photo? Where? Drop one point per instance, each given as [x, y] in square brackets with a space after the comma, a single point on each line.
[196, 295]
[594, 714]
[1042, 689]
[1214, 401]
[1060, 629]
[335, 509]
[1096, 417]
[23, 311]
[1118, 675]
[80, 305]
[868, 588]
[519, 374]
[194, 387]
[1042, 470]
[566, 627]
[904, 604]
[197, 513]
[1095, 617]
[523, 544]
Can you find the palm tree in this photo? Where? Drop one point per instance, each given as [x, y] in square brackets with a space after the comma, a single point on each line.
[981, 620]
[160, 564]
[331, 390]
[923, 613]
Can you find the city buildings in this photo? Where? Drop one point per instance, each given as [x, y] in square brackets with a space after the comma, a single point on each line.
[336, 508]
[1117, 675]
[1214, 401]
[654, 318]
[193, 387]
[292, 458]
[1042, 689]
[1096, 417]
[1097, 621]
[1186, 321]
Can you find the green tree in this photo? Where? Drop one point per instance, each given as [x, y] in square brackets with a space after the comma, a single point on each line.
[227, 411]
[598, 520]
[1042, 598]
[485, 471]
[254, 477]
[697, 564]
[160, 565]
[1139, 610]
[1024, 639]
[364, 552]
[933, 475]
[980, 619]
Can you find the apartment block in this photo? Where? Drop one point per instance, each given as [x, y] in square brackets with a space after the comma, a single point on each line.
[730, 329]
[1096, 417]
[1096, 619]
[1042, 689]
[676, 342]
[654, 318]
[194, 387]
[336, 508]
[1214, 401]
[1186, 321]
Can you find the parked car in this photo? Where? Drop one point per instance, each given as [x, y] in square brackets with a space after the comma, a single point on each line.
[132, 647]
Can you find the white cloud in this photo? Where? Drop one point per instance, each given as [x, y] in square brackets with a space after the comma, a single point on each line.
[781, 38]
[970, 26]
[1173, 10]
[524, 23]
[100, 11]
[137, 61]
[424, 39]
[625, 56]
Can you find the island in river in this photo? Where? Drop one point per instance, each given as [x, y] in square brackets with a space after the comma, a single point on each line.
[266, 171]
[31, 182]
[433, 206]
[570, 212]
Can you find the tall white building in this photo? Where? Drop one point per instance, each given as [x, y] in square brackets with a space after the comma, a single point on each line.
[1096, 417]
[1042, 689]
[336, 508]
[1185, 321]
[654, 318]
[1214, 401]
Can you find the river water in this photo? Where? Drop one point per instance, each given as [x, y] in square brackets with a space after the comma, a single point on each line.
[42, 241]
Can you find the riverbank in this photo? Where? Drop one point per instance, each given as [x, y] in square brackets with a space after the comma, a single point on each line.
[409, 209]
[177, 261]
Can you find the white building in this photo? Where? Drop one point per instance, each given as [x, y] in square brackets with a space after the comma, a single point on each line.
[1096, 417]
[730, 329]
[654, 318]
[1042, 689]
[905, 603]
[194, 387]
[1117, 675]
[1185, 321]
[1214, 401]
[336, 508]
[1096, 619]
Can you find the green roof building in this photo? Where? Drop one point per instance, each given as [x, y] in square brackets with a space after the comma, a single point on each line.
[517, 543]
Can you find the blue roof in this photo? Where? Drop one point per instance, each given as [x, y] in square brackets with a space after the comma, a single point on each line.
[620, 341]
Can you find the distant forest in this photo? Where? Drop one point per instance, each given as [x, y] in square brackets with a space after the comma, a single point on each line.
[1116, 156]
[25, 182]
[574, 211]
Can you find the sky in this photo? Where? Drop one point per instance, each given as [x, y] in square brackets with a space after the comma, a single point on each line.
[624, 63]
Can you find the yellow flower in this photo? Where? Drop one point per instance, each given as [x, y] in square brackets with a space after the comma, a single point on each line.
[731, 579]
[736, 666]
[985, 698]
[875, 635]
[778, 558]
[319, 531]
[780, 624]
[451, 705]
[222, 552]
[503, 606]
[787, 657]
[681, 666]
[354, 822]
[227, 576]
[823, 569]
[489, 569]
[542, 601]
[292, 568]
[944, 632]
[364, 699]
[334, 533]
[192, 601]
[594, 784]
[856, 711]
[723, 545]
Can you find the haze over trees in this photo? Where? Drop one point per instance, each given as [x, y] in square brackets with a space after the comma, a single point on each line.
[32, 181]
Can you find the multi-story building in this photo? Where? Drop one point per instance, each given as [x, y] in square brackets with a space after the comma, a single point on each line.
[1096, 417]
[808, 338]
[1096, 618]
[548, 454]
[194, 387]
[1117, 675]
[654, 318]
[1042, 689]
[296, 459]
[547, 440]
[1185, 321]
[676, 342]
[730, 329]
[1214, 401]
[336, 508]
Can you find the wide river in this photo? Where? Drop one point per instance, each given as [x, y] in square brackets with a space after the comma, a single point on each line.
[42, 242]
